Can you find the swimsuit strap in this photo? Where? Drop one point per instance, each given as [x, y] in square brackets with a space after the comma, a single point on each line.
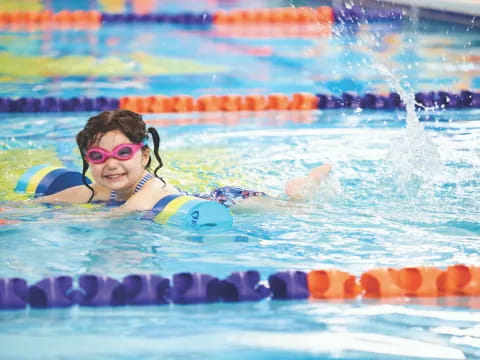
[142, 182]
[113, 196]
[145, 178]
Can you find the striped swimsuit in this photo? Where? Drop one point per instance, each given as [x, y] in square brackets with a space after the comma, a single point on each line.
[227, 195]
[145, 178]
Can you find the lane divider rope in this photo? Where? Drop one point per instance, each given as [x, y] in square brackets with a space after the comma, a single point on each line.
[232, 103]
[272, 16]
[192, 288]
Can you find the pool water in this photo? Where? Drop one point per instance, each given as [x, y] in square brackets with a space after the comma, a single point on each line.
[398, 195]
[364, 216]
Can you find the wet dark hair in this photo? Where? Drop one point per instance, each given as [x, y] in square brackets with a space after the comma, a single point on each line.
[129, 123]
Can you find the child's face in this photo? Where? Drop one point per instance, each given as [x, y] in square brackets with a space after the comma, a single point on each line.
[118, 175]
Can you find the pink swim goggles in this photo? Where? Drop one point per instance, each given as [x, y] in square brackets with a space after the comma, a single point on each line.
[97, 155]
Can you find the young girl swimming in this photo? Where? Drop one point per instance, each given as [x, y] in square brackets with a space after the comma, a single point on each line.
[113, 144]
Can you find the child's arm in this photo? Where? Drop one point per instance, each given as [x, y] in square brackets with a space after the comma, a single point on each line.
[74, 195]
[150, 194]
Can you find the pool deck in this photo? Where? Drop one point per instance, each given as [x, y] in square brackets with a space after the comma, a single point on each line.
[466, 7]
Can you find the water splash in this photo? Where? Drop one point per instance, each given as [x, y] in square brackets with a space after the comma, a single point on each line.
[413, 162]
[414, 159]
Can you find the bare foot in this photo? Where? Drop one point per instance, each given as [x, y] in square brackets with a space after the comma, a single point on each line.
[302, 188]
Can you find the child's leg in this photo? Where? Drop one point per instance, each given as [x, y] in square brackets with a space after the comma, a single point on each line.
[301, 188]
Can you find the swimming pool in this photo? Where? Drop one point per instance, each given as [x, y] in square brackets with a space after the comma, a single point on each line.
[395, 198]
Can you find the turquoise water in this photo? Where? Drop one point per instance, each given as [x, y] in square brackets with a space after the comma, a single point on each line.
[368, 213]
[363, 217]
[282, 330]
[396, 196]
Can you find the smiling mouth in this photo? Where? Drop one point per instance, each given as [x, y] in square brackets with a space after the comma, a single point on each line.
[113, 177]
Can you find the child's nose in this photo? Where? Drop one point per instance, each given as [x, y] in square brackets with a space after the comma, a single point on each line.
[111, 162]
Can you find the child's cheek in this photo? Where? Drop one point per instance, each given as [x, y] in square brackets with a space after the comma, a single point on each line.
[96, 172]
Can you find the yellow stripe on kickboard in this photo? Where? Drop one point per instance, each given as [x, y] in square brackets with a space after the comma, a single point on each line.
[172, 208]
[37, 178]
[15, 162]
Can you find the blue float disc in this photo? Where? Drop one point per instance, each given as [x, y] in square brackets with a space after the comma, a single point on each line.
[25, 178]
[46, 180]
[202, 214]
[59, 180]
[190, 212]
[163, 202]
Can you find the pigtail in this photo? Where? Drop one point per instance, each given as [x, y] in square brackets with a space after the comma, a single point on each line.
[84, 179]
[81, 142]
[156, 147]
